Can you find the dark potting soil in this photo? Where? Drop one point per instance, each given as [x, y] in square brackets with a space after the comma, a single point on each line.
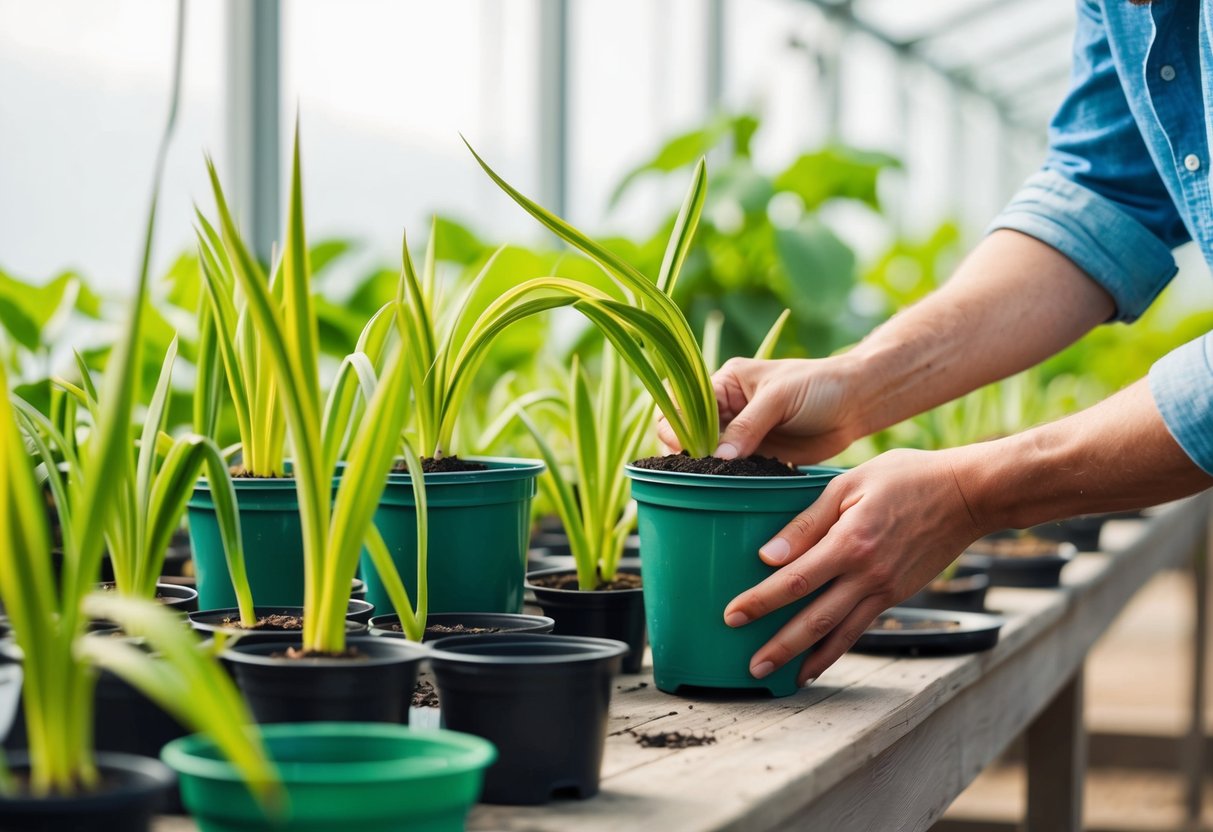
[672, 739]
[750, 466]
[239, 472]
[446, 465]
[892, 623]
[622, 580]
[425, 695]
[268, 622]
[444, 630]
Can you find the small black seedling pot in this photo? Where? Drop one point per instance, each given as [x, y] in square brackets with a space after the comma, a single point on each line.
[133, 792]
[177, 598]
[1041, 571]
[358, 592]
[616, 614]
[374, 686]
[542, 700]
[502, 622]
[360, 610]
[965, 591]
[209, 621]
[1082, 531]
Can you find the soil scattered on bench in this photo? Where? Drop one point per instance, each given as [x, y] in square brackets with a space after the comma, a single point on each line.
[633, 688]
[672, 739]
[425, 695]
[750, 466]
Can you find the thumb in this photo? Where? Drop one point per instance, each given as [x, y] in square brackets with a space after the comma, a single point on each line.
[745, 432]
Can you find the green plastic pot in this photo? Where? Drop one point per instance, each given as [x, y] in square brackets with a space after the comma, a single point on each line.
[700, 536]
[479, 526]
[340, 775]
[273, 544]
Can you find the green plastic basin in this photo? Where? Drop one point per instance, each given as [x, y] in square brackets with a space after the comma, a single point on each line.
[340, 775]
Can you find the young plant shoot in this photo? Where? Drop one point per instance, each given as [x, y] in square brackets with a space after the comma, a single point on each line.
[281, 319]
[645, 325]
[153, 478]
[48, 620]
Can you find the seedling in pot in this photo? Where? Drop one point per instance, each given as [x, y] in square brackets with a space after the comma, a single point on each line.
[282, 317]
[153, 478]
[48, 623]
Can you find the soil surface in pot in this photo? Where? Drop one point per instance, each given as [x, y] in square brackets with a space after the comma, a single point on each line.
[1026, 546]
[268, 622]
[446, 465]
[241, 473]
[750, 466]
[889, 622]
[672, 739]
[622, 580]
[444, 630]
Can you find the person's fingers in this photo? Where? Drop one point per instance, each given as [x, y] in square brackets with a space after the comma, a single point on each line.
[809, 626]
[805, 530]
[745, 431]
[791, 583]
[841, 639]
[667, 437]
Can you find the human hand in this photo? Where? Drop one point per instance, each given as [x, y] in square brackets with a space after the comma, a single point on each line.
[880, 532]
[793, 409]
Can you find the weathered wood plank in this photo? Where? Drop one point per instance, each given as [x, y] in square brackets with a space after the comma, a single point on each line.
[1056, 763]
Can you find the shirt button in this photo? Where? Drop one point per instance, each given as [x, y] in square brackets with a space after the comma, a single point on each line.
[1192, 162]
[1167, 73]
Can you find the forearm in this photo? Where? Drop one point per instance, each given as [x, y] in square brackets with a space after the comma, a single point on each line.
[1115, 455]
[1012, 303]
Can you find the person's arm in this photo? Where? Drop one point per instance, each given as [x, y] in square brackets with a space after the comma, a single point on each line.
[883, 530]
[1013, 302]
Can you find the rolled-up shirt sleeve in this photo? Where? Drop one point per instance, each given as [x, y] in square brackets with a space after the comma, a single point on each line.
[1099, 200]
[1182, 385]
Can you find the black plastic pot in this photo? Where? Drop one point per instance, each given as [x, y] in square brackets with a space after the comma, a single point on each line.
[616, 614]
[176, 597]
[133, 793]
[360, 610]
[971, 633]
[127, 722]
[375, 686]
[503, 622]
[541, 699]
[1034, 572]
[965, 591]
[209, 621]
[358, 592]
[1083, 531]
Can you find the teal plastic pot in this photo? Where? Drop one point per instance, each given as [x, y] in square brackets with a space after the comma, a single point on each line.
[700, 536]
[340, 775]
[479, 526]
[273, 544]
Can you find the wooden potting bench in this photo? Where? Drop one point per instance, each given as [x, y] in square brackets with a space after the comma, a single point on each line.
[887, 744]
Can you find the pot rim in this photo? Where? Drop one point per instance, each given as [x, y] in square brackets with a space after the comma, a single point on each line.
[591, 649]
[148, 775]
[499, 468]
[247, 652]
[468, 753]
[197, 622]
[520, 617]
[816, 475]
[560, 570]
